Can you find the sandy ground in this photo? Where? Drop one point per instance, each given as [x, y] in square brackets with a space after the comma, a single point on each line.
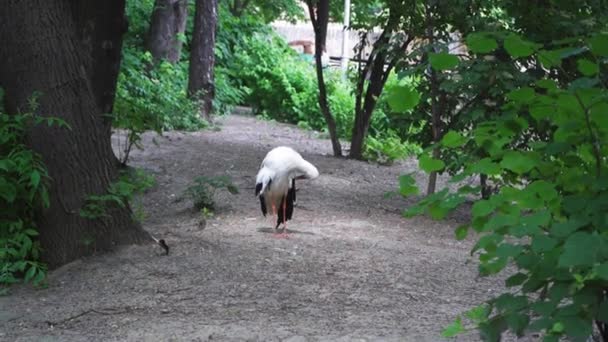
[353, 269]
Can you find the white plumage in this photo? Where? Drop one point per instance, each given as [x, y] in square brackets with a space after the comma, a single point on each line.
[275, 182]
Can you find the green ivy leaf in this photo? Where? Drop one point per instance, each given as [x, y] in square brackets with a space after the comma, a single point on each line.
[402, 98]
[581, 248]
[453, 139]
[429, 164]
[587, 67]
[453, 329]
[599, 44]
[443, 61]
[517, 47]
[481, 43]
[407, 185]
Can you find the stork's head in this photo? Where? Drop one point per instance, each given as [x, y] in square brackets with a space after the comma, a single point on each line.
[263, 180]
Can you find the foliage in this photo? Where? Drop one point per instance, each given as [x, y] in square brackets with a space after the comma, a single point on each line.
[23, 192]
[149, 97]
[546, 152]
[202, 191]
[121, 192]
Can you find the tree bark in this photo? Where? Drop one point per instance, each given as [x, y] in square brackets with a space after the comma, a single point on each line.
[320, 19]
[435, 105]
[202, 56]
[378, 75]
[100, 26]
[167, 24]
[43, 52]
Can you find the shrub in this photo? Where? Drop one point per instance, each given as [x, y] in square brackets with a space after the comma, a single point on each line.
[23, 192]
[202, 191]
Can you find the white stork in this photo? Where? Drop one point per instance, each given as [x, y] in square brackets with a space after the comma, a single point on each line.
[276, 182]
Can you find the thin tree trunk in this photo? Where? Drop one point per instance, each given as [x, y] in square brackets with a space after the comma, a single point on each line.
[202, 56]
[378, 75]
[435, 109]
[320, 19]
[167, 24]
[80, 160]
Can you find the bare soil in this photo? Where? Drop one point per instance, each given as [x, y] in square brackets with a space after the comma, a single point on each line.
[353, 269]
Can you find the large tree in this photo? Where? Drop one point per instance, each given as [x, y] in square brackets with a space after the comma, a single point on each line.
[167, 24]
[67, 52]
[202, 55]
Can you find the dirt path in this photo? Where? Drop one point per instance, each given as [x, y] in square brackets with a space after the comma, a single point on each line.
[354, 269]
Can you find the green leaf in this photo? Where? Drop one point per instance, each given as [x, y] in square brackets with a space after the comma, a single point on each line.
[453, 139]
[550, 59]
[461, 232]
[402, 98]
[429, 164]
[480, 43]
[599, 44]
[564, 229]
[453, 329]
[517, 162]
[577, 328]
[35, 179]
[524, 95]
[602, 271]
[517, 47]
[543, 243]
[482, 208]
[581, 248]
[443, 61]
[486, 166]
[29, 274]
[407, 185]
[479, 313]
[7, 191]
[516, 279]
[517, 322]
[587, 67]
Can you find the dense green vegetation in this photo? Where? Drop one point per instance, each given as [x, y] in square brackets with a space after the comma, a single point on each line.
[525, 111]
[23, 192]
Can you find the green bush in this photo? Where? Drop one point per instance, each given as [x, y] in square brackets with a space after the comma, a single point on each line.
[548, 218]
[202, 191]
[23, 193]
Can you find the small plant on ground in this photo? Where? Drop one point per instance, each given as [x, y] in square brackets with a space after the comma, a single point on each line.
[202, 191]
[122, 192]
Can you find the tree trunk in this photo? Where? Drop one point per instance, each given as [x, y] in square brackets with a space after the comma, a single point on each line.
[319, 20]
[435, 105]
[43, 52]
[100, 26]
[202, 56]
[167, 24]
[375, 70]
